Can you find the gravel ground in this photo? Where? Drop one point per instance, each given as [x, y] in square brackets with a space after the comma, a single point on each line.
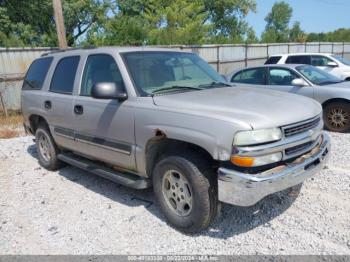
[74, 212]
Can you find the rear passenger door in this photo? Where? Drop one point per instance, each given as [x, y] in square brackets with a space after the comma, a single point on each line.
[280, 79]
[59, 101]
[252, 76]
[104, 128]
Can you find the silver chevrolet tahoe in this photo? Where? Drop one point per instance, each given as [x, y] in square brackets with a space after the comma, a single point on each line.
[146, 117]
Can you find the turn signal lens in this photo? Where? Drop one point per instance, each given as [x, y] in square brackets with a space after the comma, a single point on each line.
[242, 161]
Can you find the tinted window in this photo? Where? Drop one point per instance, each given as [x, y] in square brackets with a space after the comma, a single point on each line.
[99, 69]
[281, 77]
[273, 60]
[37, 73]
[320, 61]
[299, 59]
[255, 76]
[64, 75]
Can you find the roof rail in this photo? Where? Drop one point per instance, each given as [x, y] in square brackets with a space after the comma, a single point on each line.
[68, 49]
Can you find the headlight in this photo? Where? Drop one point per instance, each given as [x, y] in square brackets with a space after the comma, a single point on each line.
[246, 138]
[244, 161]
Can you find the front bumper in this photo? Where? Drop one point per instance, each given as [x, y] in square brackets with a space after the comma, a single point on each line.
[243, 189]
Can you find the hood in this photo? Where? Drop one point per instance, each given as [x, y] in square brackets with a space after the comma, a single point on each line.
[255, 107]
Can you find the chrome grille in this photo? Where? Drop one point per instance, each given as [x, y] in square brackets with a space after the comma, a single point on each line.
[298, 148]
[303, 127]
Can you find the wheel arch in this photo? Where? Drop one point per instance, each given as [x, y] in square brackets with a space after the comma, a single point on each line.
[161, 145]
[334, 100]
[35, 121]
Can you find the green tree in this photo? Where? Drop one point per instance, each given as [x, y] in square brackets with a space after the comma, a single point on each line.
[31, 23]
[174, 22]
[277, 23]
[296, 34]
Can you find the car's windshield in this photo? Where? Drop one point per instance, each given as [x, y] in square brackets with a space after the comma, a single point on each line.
[317, 76]
[342, 59]
[155, 72]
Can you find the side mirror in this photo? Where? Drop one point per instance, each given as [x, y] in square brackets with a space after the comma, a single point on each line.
[332, 64]
[298, 82]
[108, 90]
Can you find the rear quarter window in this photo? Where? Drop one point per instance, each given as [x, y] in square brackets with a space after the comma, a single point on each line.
[273, 60]
[64, 75]
[36, 74]
[299, 59]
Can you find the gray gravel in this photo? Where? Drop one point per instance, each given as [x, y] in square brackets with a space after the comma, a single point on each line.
[74, 212]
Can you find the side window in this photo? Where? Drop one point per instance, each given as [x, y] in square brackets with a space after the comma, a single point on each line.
[299, 59]
[100, 68]
[281, 77]
[255, 76]
[36, 74]
[64, 75]
[273, 60]
[320, 61]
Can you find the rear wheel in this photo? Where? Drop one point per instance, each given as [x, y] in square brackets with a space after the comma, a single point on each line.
[337, 117]
[186, 191]
[47, 149]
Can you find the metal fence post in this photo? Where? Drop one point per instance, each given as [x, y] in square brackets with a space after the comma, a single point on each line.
[246, 55]
[218, 58]
[3, 105]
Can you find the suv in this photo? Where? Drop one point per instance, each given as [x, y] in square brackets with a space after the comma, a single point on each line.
[334, 64]
[165, 118]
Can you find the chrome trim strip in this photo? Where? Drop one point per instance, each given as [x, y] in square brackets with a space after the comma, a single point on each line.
[94, 141]
[103, 146]
[65, 136]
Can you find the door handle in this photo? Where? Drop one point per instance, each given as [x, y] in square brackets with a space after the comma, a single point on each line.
[78, 109]
[47, 105]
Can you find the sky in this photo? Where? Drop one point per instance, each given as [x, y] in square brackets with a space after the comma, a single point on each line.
[314, 15]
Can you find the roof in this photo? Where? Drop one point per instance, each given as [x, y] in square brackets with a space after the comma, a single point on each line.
[294, 54]
[118, 49]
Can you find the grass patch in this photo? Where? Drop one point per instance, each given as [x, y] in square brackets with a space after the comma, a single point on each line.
[11, 126]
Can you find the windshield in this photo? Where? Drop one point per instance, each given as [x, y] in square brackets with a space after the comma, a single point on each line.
[155, 72]
[317, 76]
[342, 59]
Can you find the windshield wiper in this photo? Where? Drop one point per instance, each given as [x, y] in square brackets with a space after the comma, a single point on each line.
[215, 84]
[175, 87]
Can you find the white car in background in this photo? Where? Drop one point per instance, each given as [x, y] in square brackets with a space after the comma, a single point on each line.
[333, 64]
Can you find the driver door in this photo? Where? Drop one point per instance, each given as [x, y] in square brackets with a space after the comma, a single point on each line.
[280, 79]
[104, 128]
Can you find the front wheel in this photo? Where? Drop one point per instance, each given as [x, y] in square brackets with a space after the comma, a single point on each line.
[337, 117]
[186, 191]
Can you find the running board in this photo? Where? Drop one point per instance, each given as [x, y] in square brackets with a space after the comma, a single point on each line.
[123, 178]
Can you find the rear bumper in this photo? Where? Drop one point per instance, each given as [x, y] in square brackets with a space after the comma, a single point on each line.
[243, 189]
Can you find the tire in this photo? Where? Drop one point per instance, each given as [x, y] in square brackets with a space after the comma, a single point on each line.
[201, 184]
[47, 149]
[337, 117]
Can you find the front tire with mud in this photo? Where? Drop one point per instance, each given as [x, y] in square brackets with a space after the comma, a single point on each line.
[186, 191]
